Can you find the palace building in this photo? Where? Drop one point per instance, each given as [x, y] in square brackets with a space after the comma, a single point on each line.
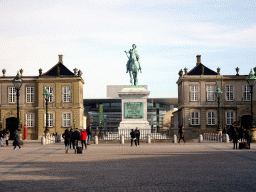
[197, 103]
[65, 108]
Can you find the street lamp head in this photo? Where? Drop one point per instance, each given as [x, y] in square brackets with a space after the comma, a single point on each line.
[218, 92]
[17, 81]
[46, 94]
[251, 78]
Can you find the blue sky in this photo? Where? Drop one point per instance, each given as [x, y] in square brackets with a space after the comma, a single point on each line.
[92, 36]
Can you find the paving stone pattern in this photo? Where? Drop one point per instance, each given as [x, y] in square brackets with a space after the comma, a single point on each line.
[165, 166]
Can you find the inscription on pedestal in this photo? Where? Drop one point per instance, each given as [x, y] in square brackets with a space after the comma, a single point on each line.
[133, 110]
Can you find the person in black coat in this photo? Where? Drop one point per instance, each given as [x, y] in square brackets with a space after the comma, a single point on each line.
[235, 138]
[89, 133]
[133, 137]
[76, 138]
[67, 137]
[137, 134]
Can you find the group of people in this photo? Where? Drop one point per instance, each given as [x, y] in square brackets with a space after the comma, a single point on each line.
[135, 136]
[5, 134]
[236, 133]
[72, 137]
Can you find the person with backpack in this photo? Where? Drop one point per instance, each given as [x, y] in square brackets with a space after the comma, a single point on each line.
[76, 137]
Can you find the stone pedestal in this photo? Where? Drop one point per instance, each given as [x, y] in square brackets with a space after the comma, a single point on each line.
[174, 138]
[134, 110]
[200, 138]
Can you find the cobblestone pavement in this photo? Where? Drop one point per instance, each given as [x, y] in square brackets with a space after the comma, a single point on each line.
[115, 167]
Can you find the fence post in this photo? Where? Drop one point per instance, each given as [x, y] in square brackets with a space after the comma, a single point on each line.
[174, 139]
[226, 138]
[43, 140]
[121, 139]
[200, 138]
[148, 139]
[96, 141]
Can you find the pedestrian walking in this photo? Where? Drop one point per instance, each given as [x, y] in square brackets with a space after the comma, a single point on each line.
[181, 132]
[67, 138]
[248, 136]
[133, 137]
[235, 138]
[137, 134]
[83, 136]
[7, 134]
[16, 139]
[76, 137]
[89, 133]
[2, 137]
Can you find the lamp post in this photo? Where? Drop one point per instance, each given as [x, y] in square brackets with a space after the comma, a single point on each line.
[46, 95]
[17, 82]
[251, 81]
[218, 94]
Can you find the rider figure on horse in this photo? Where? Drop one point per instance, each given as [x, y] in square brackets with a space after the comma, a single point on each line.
[133, 64]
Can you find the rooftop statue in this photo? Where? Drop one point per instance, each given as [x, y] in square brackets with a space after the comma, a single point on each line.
[133, 65]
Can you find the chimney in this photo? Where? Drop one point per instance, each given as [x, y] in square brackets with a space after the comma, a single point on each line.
[198, 59]
[60, 58]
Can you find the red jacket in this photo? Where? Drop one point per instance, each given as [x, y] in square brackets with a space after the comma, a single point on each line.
[83, 135]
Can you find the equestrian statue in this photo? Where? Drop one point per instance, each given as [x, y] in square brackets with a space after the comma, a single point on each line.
[133, 65]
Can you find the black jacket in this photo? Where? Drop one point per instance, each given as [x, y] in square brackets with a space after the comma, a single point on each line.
[133, 135]
[88, 131]
[137, 133]
[67, 136]
[76, 135]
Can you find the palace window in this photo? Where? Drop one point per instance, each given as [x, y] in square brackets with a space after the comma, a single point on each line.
[50, 89]
[30, 119]
[11, 95]
[211, 118]
[30, 92]
[50, 120]
[193, 93]
[66, 94]
[229, 93]
[210, 93]
[195, 118]
[246, 93]
[230, 117]
[66, 119]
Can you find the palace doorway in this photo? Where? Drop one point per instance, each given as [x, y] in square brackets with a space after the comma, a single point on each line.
[11, 124]
[246, 121]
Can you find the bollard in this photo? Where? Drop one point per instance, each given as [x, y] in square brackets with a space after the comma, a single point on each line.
[148, 139]
[174, 139]
[43, 140]
[226, 138]
[96, 140]
[200, 138]
[121, 139]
